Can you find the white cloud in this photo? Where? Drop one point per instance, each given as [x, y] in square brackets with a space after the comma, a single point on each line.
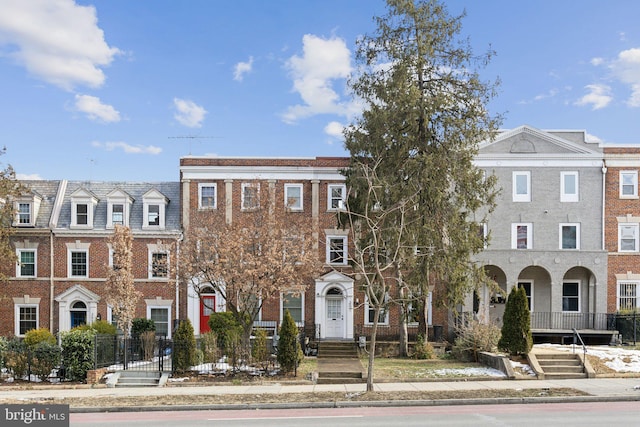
[599, 96]
[57, 41]
[241, 69]
[323, 61]
[188, 113]
[627, 69]
[127, 148]
[334, 130]
[597, 61]
[28, 177]
[96, 110]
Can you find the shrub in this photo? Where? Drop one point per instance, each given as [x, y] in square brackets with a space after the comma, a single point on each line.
[473, 338]
[259, 351]
[226, 327]
[35, 336]
[3, 350]
[15, 358]
[44, 357]
[184, 347]
[516, 329]
[102, 327]
[289, 351]
[147, 344]
[77, 353]
[423, 349]
[209, 347]
[138, 326]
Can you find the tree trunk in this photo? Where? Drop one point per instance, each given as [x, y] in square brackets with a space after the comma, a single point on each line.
[404, 333]
[372, 350]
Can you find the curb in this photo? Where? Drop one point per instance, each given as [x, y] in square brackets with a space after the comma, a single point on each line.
[374, 403]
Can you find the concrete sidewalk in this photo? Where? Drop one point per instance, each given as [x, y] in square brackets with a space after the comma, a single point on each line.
[606, 388]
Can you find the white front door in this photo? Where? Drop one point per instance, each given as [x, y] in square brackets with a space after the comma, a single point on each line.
[335, 318]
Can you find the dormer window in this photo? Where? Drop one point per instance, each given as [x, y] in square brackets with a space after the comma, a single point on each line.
[154, 208]
[26, 210]
[118, 208]
[83, 203]
[24, 213]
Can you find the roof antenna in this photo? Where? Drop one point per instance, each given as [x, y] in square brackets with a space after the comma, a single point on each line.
[192, 137]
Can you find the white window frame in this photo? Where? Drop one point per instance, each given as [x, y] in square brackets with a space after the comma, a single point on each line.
[69, 264]
[565, 282]
[151, 272]
[345, 247]
[529, 297]
[283, 295]
[16, 312]
[564, 195]
[19, 253]
[161, 307]
[629, 226]
[74, 214]
[20, 214]
[368, 310]
[202, 185]
[340, 200]
[299, 206]
[484, 229]
[569, 224]
[519, 197]
[514, 235]
[244, 187]
[636, 284]
[154, 198]
[633, 176]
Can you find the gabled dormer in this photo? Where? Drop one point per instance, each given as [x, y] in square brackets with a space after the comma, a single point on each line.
[83, 204]
[153, 211]
[118, 208]
[26, 208]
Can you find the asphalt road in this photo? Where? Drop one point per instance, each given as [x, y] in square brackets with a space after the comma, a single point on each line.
[546, 414]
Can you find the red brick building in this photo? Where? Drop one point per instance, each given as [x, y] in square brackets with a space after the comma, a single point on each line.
[61, 233]
[331, 307]
[622, 221]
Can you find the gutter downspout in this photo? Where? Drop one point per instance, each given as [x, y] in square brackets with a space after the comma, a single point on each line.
[604, 202]
[53, 221]
[178, 240]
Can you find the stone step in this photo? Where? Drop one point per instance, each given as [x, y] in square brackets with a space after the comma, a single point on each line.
[340, 374]
[340, 380]
[563, 376]
[562, 368]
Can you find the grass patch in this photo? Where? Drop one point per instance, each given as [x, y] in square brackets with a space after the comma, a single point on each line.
[400, 368]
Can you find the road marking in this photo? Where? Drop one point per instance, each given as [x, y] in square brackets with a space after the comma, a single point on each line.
[286, 418]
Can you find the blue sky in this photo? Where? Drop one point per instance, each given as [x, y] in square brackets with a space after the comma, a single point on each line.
[119, 90]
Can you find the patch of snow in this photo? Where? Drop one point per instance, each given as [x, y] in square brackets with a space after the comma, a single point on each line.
[469, 372]
[523, 367]
[617, 358]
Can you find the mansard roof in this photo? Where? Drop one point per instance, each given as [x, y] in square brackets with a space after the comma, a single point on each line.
[170, 191]
[46, 191]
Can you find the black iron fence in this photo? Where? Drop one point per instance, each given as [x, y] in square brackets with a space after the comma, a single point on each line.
[629, 326]
[144, 353]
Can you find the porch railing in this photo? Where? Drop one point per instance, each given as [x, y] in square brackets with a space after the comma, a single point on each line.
[565, 320]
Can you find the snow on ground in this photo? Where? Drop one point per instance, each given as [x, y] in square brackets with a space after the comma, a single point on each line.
[469, 372]
[617, 358]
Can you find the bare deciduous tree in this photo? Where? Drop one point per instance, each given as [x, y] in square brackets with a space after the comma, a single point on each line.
[261, 254]
[121, 293]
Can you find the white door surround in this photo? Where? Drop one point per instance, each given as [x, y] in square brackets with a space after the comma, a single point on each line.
[68, 298]
[334, 306]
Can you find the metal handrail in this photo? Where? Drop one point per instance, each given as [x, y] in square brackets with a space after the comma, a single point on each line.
[576, 334]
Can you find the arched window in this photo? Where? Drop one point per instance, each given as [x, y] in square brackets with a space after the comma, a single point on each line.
[78, 314]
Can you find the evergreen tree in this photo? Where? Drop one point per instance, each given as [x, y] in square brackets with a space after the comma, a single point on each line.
[516, 329]
[288, 346]
[184, 347]
[415, 197]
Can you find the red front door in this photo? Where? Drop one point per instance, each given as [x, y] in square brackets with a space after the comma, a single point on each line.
[207, 306]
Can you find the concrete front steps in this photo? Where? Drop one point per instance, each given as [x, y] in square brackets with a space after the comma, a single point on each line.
[561, 366]
[338, 363]
[138, 379]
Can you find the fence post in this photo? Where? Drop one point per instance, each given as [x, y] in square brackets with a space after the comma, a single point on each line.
[634, 328]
